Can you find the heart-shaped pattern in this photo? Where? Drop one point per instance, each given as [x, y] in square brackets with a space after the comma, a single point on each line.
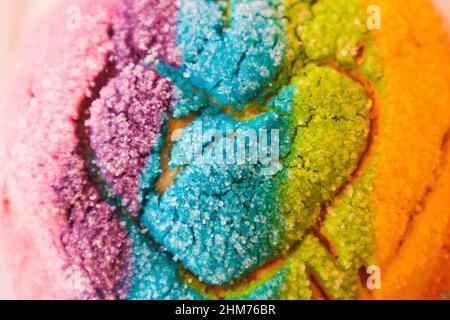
[224, 220]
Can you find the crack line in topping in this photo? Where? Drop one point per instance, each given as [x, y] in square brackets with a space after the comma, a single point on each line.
[318, 289]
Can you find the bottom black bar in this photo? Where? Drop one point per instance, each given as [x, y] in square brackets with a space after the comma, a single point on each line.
[218, 309]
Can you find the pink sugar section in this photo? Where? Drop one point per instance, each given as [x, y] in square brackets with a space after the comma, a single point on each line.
[68, 243]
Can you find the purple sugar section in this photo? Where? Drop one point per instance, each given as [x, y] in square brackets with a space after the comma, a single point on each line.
[146, 28]
[94, 239]
[126, 119]
[125, 123]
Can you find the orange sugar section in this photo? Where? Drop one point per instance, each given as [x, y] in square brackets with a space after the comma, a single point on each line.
[439, 287]
[416, 264]
[412, 189]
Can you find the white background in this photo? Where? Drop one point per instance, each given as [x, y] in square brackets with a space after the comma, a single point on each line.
[14, 16]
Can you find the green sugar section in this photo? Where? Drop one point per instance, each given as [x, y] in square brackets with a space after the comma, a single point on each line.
[349, 223]
[330, 124]
[329, 119]
[323, 31]
[312, 257]
[335, 32]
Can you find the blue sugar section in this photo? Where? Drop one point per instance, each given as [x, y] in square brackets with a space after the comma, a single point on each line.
[154, 275]
[200, 135]
[220, 220]
[229, 63]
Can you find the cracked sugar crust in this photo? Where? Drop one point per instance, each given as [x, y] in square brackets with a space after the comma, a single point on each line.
[222, 221]
[118, 109]
[125, 123]
[126, 117]
[230, 52]
[215, 217]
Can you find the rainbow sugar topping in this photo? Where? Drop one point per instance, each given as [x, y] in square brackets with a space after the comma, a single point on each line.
[147, 218]
[224, 220]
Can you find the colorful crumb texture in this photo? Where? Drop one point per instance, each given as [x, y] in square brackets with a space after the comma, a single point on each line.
[135, 213]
